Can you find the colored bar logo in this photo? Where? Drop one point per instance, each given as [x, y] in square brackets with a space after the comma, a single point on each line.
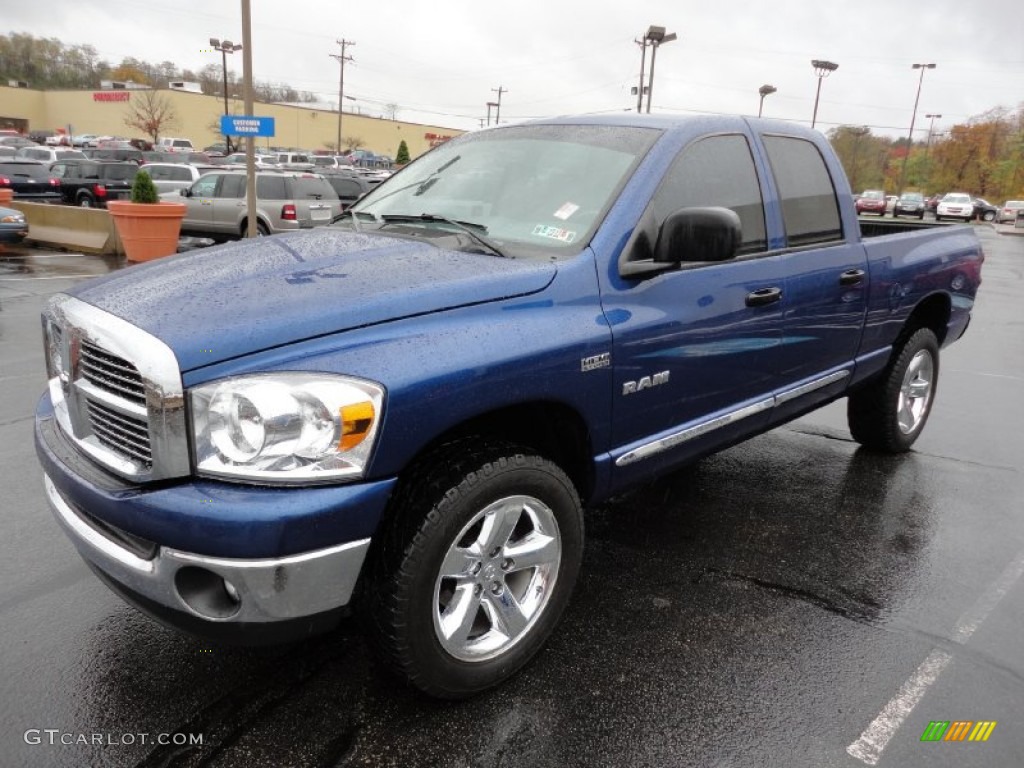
[958, 730]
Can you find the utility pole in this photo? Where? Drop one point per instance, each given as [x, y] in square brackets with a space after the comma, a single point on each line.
[643, 61]
[489, 105]
[342, 58]
[499, 90]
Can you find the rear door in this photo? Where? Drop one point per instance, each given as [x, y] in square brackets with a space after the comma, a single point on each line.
[228, 204]
[826, 277]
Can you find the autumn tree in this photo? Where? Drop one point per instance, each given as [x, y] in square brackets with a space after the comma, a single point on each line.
[150, 112]
[352, 142]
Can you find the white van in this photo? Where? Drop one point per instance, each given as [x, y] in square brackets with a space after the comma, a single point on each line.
[173, 144]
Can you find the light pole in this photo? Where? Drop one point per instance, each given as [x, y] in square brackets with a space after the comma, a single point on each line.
[764, 90]
[225, 47]
[931, 128]
[655, 36]
[822, 69]
[913, 117]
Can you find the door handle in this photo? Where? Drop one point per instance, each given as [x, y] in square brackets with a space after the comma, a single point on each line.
[763, 296]
[851, 277]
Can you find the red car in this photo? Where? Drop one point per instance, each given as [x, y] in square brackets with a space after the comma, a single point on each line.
[871, 201]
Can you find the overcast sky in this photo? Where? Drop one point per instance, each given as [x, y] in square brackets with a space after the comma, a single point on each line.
[441, 61]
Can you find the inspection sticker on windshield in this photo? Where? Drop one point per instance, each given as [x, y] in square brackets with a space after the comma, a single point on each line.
[566, 211]
[555, 233]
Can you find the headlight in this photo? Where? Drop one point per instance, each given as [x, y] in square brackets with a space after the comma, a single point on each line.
[285, 427]
[14, 218]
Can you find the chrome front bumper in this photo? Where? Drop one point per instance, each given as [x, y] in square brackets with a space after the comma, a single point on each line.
[220, 590]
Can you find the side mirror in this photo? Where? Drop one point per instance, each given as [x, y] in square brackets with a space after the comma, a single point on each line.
[185, 192]
[698, 234]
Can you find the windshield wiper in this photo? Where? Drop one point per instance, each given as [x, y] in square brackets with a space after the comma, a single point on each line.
[423, 184]
[469, 227]
[355, 217]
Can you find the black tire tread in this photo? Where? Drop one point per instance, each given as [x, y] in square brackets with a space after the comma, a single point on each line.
[424, 493]
[869, 410]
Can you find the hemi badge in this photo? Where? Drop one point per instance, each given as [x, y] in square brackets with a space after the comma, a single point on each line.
[594, 362]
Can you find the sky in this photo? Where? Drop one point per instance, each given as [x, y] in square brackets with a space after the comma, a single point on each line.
[441, 62]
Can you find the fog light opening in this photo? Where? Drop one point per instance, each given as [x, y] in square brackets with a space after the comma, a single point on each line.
[206, 593]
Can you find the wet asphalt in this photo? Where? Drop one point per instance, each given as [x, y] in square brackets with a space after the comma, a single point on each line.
[793, 601]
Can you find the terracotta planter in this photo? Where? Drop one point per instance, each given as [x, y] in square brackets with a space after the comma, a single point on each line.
[147, 231]
[6, 196]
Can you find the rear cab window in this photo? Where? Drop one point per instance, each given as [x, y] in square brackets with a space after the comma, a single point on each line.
[807, 194]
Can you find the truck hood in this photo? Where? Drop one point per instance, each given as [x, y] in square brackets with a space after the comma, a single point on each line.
[214, 304]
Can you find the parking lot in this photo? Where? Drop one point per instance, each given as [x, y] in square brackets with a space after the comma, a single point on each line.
[793, 601]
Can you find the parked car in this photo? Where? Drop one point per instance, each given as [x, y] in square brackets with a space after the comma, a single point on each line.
[348, 186]
[331, 162]
[13, 227]
[262, 161]
[156, 156]
[955, 205]
[91, 183]
[285, 201]
[17, 142]
[910, 204]
[83, 139]
[29, 180]
[126, 154]
[173, 144]
[170, 177]
[40, 137]
[871, 201]
[890, 202]
[1009, 211]
[391, 416]
[984, 210]
[48, 154]
[295, 161]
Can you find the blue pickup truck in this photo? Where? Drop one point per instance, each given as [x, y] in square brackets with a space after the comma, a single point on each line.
[407, 412]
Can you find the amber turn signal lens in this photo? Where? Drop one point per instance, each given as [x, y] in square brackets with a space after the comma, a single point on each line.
[356, 420]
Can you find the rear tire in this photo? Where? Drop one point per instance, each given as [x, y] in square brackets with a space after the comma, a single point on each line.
[84, 201]
[476, 567]
[889, 414]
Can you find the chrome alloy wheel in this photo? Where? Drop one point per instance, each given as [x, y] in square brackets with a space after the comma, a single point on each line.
[916, 392]
[496, 578]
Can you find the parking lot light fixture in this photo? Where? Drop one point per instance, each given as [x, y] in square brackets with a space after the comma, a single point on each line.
[225, 47]
[655, 36]
[913, 117]
[764, 90]
[822, 69]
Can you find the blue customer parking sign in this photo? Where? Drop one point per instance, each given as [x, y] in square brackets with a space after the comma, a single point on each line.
[246, 125]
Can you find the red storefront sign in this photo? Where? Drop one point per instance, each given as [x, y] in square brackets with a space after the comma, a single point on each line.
[110, 96]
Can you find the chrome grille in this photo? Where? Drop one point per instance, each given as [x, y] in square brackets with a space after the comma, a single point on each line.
[112, 373]
[123, 434]
[116, 391]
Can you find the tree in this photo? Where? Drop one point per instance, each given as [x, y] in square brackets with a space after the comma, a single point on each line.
[402, 156]
[391, 111]
[352, 142]
[150, 112]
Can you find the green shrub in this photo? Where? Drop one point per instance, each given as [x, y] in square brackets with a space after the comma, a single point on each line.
[402, 156]
[143, 189]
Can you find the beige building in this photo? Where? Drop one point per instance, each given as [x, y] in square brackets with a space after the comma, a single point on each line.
[103, 112]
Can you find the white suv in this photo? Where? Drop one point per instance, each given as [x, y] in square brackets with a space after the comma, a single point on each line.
[48, 154]
[955, 205]
[172, 144]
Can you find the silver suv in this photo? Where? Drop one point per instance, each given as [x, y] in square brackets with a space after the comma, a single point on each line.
[285, 201]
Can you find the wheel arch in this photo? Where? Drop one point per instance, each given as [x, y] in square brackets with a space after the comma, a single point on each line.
[554, 430]
[932, 312]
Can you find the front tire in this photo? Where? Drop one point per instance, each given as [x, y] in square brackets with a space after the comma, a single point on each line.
[477, 567]
[988, 216]
[889, 414]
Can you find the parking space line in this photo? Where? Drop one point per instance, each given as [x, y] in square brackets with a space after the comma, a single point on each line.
[44, 277]
[873, 741]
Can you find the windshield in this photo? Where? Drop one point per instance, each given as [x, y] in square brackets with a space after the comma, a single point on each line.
[535, 188]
